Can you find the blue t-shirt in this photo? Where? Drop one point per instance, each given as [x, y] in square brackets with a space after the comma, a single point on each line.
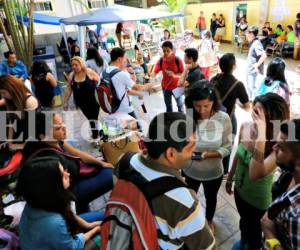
[18, 70]
[42, 230]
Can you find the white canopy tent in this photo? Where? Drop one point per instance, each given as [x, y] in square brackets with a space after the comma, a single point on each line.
[114, 14]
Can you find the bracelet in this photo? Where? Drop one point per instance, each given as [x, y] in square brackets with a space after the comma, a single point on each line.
[258, 155]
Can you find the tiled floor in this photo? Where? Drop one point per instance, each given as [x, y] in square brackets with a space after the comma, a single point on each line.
[226, 217]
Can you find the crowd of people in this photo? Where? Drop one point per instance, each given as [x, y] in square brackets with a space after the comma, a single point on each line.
[195, 152]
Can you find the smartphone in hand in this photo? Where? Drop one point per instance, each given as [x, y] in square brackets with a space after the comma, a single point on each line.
[197, 156]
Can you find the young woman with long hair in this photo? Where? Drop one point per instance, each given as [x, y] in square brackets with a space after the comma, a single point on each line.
[82, 83]
[44, 83]
[213, 143]
[253, 166]
[275, 81]
[94, 61]
[48, 221]
[14, 96]
[51, 139]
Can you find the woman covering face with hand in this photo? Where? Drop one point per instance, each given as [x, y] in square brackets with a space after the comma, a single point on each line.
[253, 166]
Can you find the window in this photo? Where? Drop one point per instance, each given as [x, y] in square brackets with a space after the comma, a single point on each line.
[94, 4]
[43, 6]
[132, 3]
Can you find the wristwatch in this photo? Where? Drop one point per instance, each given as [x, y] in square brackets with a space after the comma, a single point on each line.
[272, 243]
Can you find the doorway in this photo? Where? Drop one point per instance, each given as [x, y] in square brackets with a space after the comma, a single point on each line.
[240, 11]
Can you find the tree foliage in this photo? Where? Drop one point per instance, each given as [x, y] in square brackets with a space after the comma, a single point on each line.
[172, 6]
[18, 36]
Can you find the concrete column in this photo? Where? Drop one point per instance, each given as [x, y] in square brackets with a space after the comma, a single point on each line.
[264, 9]
[144, 4]
[181, 24]
[81, 37]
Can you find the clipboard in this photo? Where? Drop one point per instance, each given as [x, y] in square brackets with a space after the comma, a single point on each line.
[179, 91]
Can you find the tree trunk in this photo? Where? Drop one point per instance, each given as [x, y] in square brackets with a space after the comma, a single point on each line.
[6, 37]
[22, 37]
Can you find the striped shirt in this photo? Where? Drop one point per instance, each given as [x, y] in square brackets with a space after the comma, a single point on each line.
[179, 217]
[288, 220]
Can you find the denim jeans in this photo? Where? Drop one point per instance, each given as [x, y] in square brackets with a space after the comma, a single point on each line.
[104, 46]
[253, 82]
[92, 216]
[89, 188]
[168, 101]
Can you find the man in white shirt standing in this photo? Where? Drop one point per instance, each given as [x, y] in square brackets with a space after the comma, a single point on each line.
[123, 83]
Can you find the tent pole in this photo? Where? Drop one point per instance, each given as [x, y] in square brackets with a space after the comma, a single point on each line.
[138, 28]
[181, 24]
[81, 39]
[64, 33]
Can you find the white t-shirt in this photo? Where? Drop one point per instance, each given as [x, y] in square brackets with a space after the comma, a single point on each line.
[122, 82]
[93, 65]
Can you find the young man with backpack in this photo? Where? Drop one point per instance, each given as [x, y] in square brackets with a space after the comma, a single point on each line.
[116, 84]
[150, 206]
[172, 67]
[192, 72]
[230, 89]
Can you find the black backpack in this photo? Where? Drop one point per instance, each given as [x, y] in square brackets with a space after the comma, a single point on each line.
[107, 95]
[176, 61]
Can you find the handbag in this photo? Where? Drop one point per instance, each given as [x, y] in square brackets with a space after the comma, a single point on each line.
[8, 240]
[115, 148]
[84, 169]
[57, 99]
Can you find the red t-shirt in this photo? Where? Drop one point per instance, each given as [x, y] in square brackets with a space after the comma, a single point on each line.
[169, 82]
[201, 22]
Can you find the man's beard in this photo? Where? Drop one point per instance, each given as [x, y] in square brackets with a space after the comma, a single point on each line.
[289, 167]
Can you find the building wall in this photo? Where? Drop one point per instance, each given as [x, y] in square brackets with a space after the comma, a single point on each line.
[60, 9]
[284, 14]
[226, 8]
[50, 35]
[292, 7]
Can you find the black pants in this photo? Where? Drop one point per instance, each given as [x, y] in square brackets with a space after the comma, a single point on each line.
[91, 112]
[144, 66]
[250, 227]
[211, 189]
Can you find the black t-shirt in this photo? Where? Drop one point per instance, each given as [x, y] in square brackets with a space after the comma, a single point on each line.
[265, 33]
[223, 83]
[43, 90]
[194, 75]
